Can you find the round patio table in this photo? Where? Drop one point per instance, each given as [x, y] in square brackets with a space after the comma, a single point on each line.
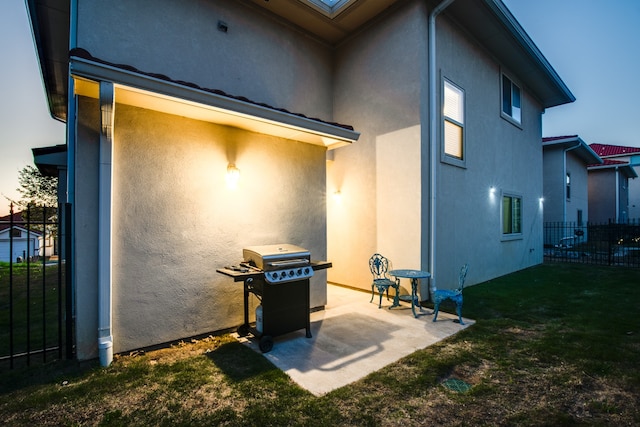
[415, 276]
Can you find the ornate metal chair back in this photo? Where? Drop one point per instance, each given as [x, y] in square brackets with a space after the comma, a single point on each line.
[379, 266]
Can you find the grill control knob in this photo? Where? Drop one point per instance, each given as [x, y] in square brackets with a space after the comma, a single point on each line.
[306, 270]
[299, 272]
[275, 276]
[291, 273]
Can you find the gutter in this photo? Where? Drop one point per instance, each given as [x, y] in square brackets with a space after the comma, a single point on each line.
[433, 135]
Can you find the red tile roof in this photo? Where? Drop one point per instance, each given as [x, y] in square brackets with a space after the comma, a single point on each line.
[605, 150]
[5, 221]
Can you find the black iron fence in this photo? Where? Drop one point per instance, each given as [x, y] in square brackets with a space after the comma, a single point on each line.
[593, 243]
[36, 321]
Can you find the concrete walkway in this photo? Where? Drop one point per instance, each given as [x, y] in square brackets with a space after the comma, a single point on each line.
[352, 338]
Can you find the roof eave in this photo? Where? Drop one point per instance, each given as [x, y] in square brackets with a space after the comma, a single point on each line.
[583, 150]
[335, 135]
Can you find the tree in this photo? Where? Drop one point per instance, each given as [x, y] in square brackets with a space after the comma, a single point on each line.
[37, 192]
[36, 189]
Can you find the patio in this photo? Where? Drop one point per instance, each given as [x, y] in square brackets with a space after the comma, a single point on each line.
[352, 338]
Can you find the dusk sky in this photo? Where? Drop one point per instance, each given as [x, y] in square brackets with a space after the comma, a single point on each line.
[594, 45]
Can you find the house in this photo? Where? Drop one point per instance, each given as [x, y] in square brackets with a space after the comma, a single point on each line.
[423, 118]
[616, 192]
[18, 241]
[565, 177]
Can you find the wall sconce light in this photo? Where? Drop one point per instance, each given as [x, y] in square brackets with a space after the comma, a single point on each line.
[492, 190]
[233, 176]
[337, 196]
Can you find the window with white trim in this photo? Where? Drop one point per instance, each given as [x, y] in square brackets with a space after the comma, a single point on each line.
[453, 116]
[511, 214]
[511, 99]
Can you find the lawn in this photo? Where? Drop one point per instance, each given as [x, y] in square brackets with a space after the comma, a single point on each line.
[556, 344]
[35, 299]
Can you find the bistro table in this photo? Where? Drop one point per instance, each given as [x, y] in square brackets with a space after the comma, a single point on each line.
[415, 276]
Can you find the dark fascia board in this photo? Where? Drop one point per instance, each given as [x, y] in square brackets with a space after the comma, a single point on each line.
[49, 160]
[583, 150]
[49, 21]
[98, 71]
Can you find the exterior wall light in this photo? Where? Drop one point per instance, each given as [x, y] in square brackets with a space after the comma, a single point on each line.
[337, 196]
[233, 176]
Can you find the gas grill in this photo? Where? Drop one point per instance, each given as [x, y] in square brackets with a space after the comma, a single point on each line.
[278, 276]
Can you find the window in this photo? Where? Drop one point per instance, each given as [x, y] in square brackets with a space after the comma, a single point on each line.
[511, 105]
[453, 114]
[16, 233]
[511, 214]
[568, 186]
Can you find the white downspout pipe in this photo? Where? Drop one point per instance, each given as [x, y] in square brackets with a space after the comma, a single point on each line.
[433, 136]
[617, 218]
[105, 338]
[564, 177]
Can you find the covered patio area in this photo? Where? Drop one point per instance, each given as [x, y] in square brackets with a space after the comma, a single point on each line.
[352, 338]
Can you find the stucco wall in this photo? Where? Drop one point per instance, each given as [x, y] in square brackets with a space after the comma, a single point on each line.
[554, 184]
[579, 189]
[175, 221]
[381, 88]
[555, 198]
[378, 86]
[500, 155]
[257, 57]
[602, 195]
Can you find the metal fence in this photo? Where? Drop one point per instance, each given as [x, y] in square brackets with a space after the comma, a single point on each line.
[36, 321]
[593, 243]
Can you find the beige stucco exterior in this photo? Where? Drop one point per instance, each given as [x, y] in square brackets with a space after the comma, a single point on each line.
[148, 180]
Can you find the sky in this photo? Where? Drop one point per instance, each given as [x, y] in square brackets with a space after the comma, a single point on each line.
[594, 45]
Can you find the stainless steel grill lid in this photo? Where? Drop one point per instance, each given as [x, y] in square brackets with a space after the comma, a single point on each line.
[280, 263]
[275, 257]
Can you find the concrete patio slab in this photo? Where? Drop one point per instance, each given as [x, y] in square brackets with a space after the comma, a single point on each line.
[352, 338]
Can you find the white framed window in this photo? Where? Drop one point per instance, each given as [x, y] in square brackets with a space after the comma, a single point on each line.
[511, 100]
[568, 186]
[511, 215]
[453, 122]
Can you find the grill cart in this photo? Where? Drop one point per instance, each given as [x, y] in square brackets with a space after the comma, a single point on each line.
[278, 275]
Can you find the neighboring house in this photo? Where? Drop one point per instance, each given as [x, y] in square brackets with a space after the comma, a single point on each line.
[629, 198]
[609, 191]
[163, 97]
[25, 243]
[566, 182]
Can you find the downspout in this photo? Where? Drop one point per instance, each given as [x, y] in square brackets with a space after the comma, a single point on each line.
[617, 218]
[564, 178]
[433, 134]
[71, 165]
[105, 338]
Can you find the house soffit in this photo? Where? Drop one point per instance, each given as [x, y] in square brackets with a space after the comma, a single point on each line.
[329, 20]
[169, 97]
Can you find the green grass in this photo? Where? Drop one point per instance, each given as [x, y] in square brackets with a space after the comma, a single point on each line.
[35, 307]
[552, 345]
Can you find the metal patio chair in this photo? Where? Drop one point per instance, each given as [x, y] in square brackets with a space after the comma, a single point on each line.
[379, 266]
[454, 295]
